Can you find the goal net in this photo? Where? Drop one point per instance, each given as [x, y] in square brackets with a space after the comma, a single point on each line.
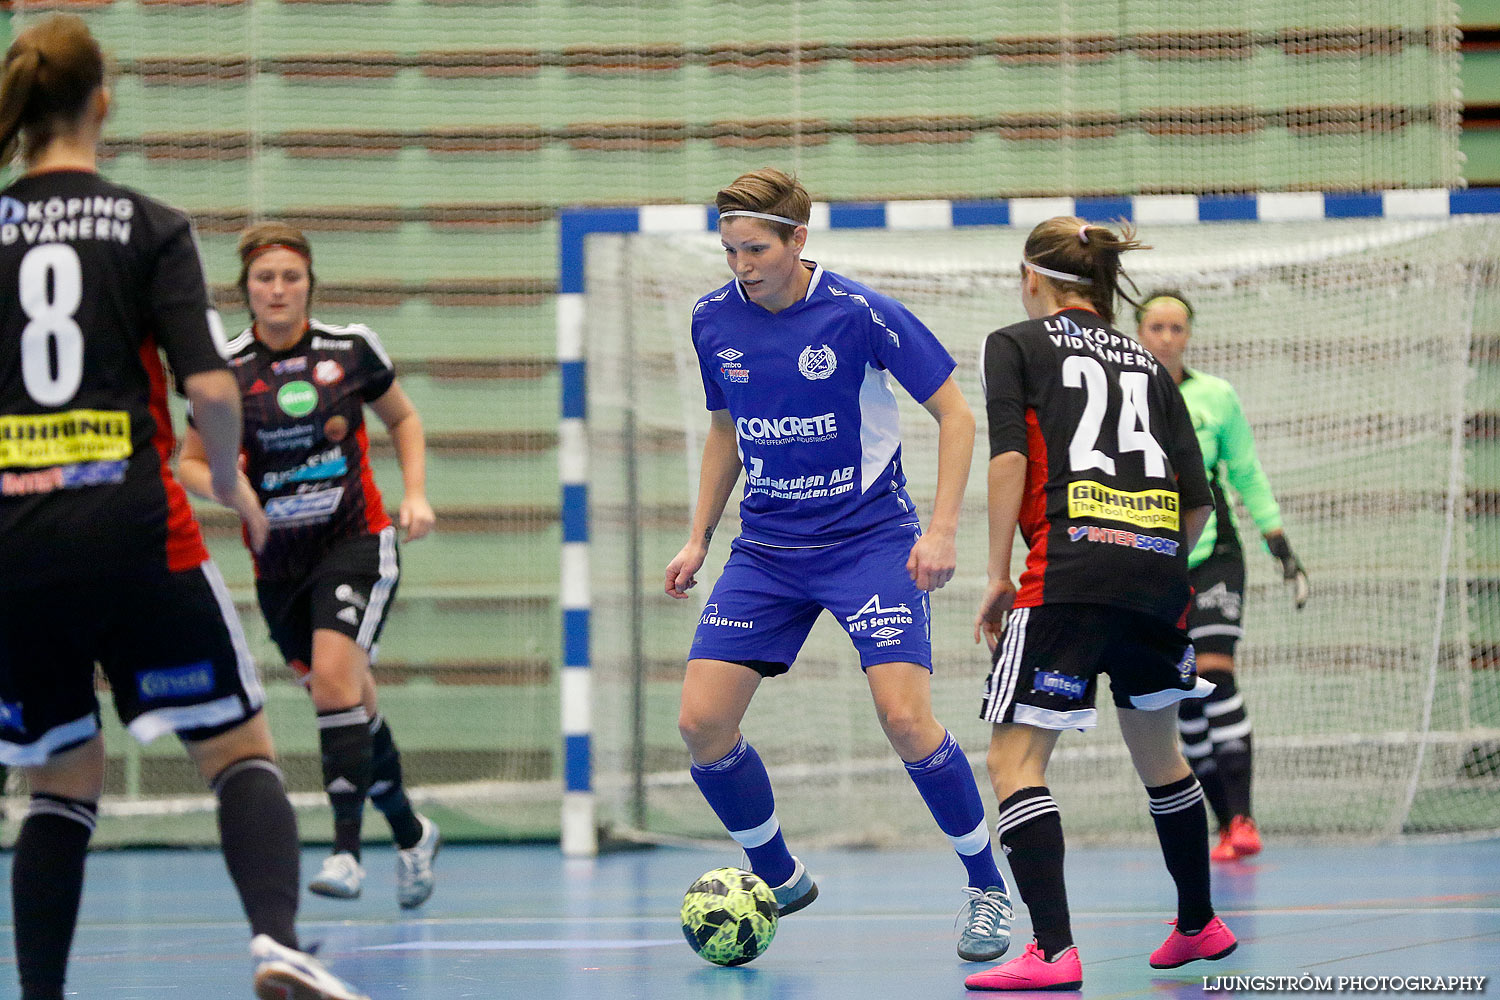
[1375, 709]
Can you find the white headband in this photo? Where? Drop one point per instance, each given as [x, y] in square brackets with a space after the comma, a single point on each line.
[1059, 275]
[761, 215]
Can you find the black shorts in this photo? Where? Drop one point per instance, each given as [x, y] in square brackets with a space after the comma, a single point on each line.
[1218, 602]
[349, 591]
[1047, 666]
[170, 645]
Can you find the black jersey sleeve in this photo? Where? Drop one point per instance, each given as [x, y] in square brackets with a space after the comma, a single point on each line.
[181, 313]
[1002, 368]
[377, 372]
[1185, 454]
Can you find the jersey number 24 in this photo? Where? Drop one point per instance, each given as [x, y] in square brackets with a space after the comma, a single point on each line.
[1133, 432]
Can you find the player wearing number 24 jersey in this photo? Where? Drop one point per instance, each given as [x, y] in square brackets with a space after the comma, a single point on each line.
[1094, 459]
[1108, 440]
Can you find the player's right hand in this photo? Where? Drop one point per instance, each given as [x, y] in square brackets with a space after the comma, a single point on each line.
[989, 623]
[242, 500]
[683, 569]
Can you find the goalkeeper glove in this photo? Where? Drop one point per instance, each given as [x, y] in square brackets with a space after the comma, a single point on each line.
[1291, 566]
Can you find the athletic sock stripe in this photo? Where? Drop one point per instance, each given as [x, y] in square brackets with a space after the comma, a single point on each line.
[1177, 802]
[258, 763]
[757, 836]
[1193, 751]
[376, 721]
[727, 761]
[1025, 812]
[356, 716]
[972, 842]
[1223, 734]
[78, 812]
[1216, 708]
[1192, 727]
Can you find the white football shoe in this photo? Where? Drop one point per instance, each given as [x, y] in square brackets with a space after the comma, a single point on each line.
[282, 973]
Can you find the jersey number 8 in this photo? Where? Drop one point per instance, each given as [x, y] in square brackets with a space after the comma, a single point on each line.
[50, 305]
[1134, 430]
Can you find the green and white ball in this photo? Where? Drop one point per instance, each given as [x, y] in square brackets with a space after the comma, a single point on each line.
[729, 916]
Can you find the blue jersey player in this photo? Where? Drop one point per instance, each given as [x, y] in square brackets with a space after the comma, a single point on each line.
[797, 365]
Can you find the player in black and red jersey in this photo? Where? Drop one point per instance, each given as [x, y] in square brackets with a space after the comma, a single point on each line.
[329, 569]
[1093, 456]
[101, 560]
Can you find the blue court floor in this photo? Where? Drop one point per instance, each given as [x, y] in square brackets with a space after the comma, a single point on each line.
[521, 922]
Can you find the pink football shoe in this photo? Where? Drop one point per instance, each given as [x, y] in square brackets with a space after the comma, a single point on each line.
[1212, 943]
[1030, 971]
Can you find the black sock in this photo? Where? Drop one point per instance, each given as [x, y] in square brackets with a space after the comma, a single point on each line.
[1030, 831]
[1182, 827]
[344, 735]
[1229, 732]
[258, 833]
[1192, 727]
[46, 887]
[386, 790]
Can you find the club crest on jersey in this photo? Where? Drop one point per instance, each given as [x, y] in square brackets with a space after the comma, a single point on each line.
[328, 372]
[817, 363]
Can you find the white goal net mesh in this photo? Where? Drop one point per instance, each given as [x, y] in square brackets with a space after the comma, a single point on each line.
[1350, 343]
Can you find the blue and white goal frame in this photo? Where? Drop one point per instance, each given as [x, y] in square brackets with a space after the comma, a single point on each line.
[579, 831]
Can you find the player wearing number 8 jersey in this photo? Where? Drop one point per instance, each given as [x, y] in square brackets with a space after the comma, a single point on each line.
[101, 561]
[1093, 457]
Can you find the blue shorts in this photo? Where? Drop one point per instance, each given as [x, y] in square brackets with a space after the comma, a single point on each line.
[767, 599]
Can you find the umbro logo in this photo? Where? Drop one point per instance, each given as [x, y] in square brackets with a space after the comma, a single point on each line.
[730, 354]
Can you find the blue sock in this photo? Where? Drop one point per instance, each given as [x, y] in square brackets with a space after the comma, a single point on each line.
[739, 792]
[947, 786]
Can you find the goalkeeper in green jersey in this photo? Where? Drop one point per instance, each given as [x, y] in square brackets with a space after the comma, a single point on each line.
[1216, 731]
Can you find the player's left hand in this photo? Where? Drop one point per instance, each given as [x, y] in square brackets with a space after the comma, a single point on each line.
[416, 517]
[989, 623]
[932, 561]
[1291, 567]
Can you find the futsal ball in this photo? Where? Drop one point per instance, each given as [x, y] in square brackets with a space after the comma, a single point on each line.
[729, 916]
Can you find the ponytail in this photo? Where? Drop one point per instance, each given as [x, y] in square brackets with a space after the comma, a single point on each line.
[1090, 254]
[51, 71]
[16, 86]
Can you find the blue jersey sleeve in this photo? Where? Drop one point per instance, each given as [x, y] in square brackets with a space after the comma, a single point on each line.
[907, 349]
[713, 395]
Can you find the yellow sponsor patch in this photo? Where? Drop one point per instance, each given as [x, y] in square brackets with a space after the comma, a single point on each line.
[41, 439]
[1146, 509]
